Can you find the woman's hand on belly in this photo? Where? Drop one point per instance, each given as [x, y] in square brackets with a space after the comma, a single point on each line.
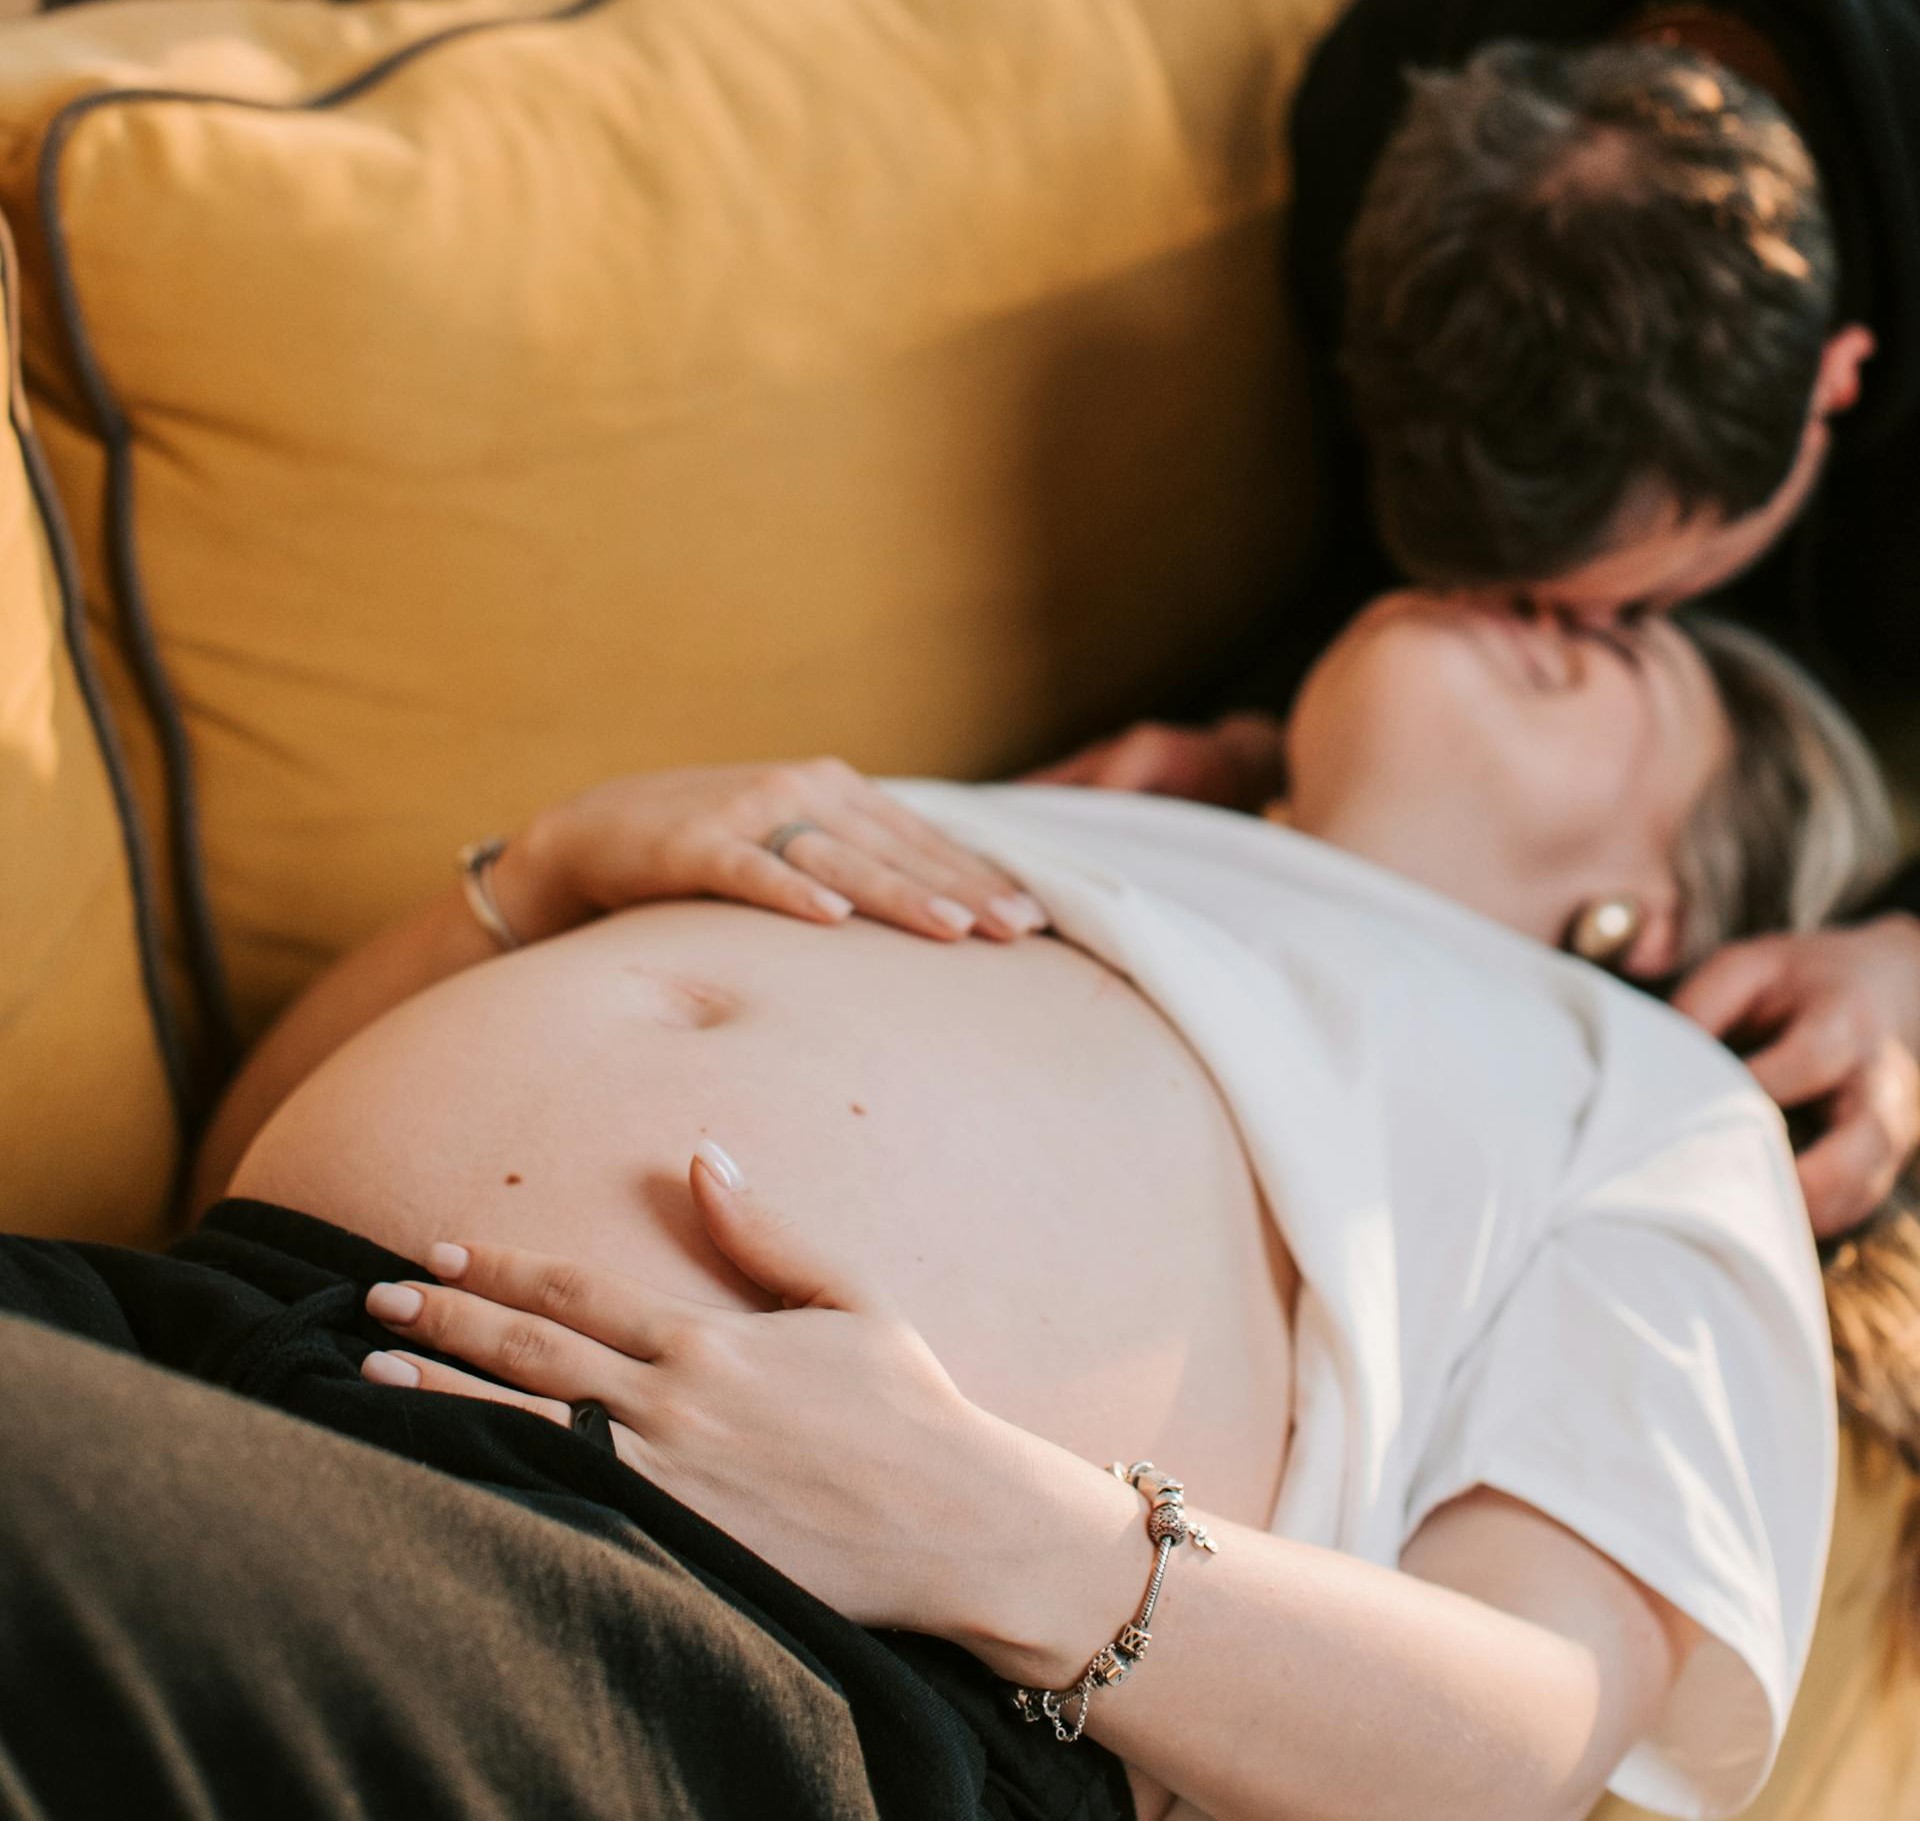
[843, 845]
[823, 1433]
[825, 1436]
[814, 840]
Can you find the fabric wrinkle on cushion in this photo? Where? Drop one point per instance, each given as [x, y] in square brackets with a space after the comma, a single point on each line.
[86, 1104]
[663, 384]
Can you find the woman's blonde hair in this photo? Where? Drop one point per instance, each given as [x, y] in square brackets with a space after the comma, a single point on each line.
[1797, 830]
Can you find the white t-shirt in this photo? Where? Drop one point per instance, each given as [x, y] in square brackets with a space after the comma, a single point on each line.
[1549, 1234]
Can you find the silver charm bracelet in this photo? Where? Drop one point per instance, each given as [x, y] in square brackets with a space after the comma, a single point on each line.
[1168, 1526]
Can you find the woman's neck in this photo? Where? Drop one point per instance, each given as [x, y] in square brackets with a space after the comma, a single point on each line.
[1441, 866]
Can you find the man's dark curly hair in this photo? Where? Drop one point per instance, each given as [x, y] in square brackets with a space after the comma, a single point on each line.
[1576, 273]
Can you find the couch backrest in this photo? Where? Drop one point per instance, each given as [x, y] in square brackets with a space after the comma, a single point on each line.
[461, 402]
[88, 1137]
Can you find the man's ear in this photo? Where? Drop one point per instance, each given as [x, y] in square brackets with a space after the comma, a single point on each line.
[1837, 388]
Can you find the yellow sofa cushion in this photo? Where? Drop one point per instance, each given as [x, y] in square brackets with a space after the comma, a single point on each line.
[509, 403]
[87, 1126]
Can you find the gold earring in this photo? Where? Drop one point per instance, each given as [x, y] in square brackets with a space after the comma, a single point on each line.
[1606, 929]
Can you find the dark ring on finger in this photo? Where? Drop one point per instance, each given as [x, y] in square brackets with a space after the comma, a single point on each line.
[786, 834]
[589, 1420]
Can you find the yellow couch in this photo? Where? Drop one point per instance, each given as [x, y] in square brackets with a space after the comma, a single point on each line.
[442, 403]
[467, 400]
[90, 1059]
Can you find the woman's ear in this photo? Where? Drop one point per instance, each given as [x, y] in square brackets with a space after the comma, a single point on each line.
[1605, 929]
[1635, 934]
[1655, 951]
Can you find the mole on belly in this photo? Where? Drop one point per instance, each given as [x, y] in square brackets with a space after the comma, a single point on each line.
[683, 1005]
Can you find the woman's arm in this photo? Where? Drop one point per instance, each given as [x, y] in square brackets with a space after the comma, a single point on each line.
[439, 939]
[683, 834]
[1502, 1675]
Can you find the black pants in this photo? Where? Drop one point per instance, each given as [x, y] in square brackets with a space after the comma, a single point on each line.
[279, 1592]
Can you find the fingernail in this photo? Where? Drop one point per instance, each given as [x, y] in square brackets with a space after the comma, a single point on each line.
[389, 1369]
[1020, 913]
[447, 1261]
[394, 1302]
[955, 916]
[832, 903]
[720, 1164]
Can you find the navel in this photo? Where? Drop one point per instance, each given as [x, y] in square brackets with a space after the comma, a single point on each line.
[675, 1003]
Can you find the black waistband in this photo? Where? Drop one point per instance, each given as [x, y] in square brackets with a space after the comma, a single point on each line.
[267, 1302]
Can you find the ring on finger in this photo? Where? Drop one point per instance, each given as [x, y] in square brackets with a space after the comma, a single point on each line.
[588, 1419]
[786, 834]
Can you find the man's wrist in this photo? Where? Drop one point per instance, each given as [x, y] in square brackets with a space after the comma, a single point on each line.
[1899, 931]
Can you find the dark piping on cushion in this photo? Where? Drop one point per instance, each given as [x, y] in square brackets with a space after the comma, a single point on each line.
[200, 935]
[168, 1037]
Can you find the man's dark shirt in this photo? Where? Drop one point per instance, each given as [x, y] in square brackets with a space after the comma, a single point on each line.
[1843, 587]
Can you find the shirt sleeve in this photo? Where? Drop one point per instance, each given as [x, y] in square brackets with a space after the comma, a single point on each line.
[1659, 1381]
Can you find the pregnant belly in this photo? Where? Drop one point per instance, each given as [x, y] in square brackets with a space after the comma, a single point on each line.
[1011, 1139]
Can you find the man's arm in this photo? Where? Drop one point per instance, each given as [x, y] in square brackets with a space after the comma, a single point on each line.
[1829, 1020]
[1238, 763]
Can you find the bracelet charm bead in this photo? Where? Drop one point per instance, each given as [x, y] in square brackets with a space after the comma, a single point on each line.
[1167, 1521]
[1168, 1526]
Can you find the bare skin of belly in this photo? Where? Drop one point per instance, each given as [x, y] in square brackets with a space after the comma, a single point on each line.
[1010, 1139]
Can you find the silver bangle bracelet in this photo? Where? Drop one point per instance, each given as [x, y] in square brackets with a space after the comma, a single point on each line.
[1168, 1526]
[476, 862]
